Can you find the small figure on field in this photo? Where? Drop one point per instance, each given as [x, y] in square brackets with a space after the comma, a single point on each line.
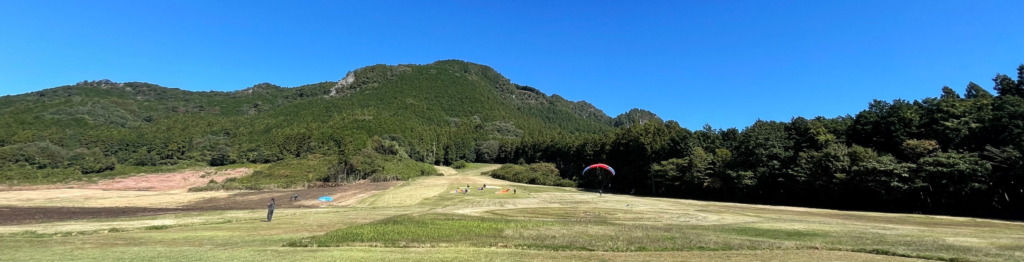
[295, 197]
[270, 209]
[513, 191]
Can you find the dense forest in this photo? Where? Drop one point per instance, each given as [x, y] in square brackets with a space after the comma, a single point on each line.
[953, 154]
[958, 154]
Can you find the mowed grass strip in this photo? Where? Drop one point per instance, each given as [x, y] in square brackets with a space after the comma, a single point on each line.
[602, 233]
[453, 230]
[424, 230]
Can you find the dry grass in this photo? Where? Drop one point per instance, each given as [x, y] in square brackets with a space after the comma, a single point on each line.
[446, 170]
[412, 192]
[424, 254]
[527, 226]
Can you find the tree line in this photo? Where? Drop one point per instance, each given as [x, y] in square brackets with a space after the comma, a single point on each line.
[953, 154]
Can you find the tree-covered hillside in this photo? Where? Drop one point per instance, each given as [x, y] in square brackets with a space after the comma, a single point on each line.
[958, 154]
[441, 112]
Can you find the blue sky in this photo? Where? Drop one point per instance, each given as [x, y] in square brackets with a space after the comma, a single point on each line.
[726, 63]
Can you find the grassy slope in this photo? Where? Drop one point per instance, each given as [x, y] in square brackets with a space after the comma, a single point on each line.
[542, 219]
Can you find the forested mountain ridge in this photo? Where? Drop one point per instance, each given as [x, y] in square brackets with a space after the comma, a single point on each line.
[179, 101]
[455, 110]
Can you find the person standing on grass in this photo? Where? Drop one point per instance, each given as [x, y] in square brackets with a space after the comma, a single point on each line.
[270, 209]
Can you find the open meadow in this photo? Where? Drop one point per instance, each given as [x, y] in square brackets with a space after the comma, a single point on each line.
[431, 219]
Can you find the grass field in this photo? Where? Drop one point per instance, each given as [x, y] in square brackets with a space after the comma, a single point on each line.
[422, 220]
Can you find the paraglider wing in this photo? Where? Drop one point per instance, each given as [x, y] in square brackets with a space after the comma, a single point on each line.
[606, 167]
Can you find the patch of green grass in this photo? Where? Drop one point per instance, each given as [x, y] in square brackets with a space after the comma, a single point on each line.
[450, 230]
[537, 174]
[459, 164]
[602, 229]
[405, 169]
[117, 230]
[157, 227]
[240, 165]
[423, 231]
[885, 252]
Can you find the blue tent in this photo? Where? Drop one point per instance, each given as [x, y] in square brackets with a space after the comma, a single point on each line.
[326, 199]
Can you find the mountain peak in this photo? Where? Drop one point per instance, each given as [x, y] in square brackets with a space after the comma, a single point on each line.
[635, 116]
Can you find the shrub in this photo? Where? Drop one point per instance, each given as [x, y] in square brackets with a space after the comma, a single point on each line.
[537, 174]
[459, 164]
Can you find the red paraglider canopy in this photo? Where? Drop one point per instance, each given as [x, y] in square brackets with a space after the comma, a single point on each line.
[606, 167]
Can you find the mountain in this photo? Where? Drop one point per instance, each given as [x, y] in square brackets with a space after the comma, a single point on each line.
[442, 112]
[635, 116]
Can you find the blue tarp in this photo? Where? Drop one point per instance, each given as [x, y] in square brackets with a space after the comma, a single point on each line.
[326, 199]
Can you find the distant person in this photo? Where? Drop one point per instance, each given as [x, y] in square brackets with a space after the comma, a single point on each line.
[513, 191]
[295, 197]
[270, 209]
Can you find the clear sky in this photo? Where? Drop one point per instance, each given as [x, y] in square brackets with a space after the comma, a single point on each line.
[726, 63]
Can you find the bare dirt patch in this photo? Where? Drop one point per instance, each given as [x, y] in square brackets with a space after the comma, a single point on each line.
[174, 181]
[102, 198]
[27, 215]
[169, 181]
[21, 207]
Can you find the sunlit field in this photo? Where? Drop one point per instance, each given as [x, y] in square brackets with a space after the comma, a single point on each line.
[423, 220]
